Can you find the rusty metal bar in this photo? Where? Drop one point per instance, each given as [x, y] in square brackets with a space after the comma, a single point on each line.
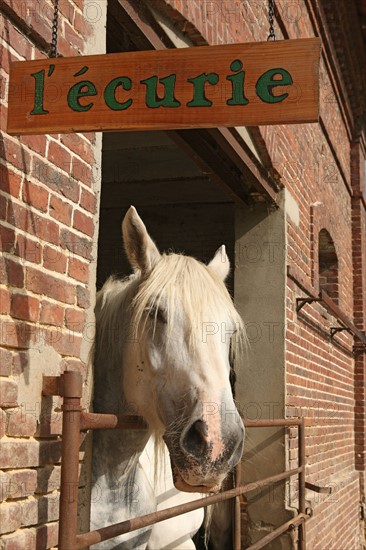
[302, 488]
[274, 422]
[71, 383]
[318, 488]
[332, 306]
[237, 510]
[96, 421]
[105, 533]
[289, 525]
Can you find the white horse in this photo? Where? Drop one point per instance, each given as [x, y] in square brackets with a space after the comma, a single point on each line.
[162, 351]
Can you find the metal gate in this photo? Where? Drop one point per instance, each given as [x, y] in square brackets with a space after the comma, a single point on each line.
[69, 386]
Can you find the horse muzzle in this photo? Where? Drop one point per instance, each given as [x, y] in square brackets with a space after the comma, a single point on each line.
[204, 457]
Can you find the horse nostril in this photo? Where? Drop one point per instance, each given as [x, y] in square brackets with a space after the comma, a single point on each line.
[195, 438]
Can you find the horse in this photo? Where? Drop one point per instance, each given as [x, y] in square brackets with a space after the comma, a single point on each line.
[164, 340]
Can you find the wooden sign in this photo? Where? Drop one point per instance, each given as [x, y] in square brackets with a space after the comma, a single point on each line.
[231, 85]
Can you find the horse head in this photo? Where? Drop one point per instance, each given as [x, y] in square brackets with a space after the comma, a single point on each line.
[176, 369]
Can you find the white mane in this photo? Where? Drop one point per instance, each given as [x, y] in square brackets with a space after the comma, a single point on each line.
[179, 281]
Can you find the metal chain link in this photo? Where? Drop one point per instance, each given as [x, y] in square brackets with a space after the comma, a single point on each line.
[53, 51]
[271, 17]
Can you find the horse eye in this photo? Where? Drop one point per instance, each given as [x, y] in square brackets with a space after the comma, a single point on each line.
[157, 314]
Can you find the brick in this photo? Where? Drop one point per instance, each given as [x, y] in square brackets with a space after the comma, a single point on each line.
[3, 207]
[28, 454]
[47, 535]
[21, 483]
[78, 269]
[7, 238]
[15, 155]
[56, 180]
[88, 201]
[3, 421]
[18, 41]
[83, 297]
[14, 273]
[48, 230]
[72, 37]
[68, 343]
[6, 362]
[5, 58]
[40, 23]
[44, 284]
[37, 225]
[10, 517]
[4, 301]
[35, 143]
[18, 334]
[24, 307]
[79, 146]
[29, 512]
[82, 172]
[8, 393]
[68, 11]
[20, 540]
[4, 486]
[82, 25]
[10, 182]
[65, 48]
[21, 423]
[36, 196]
[75, 319]
[54, 259]
[59, 156]
[70, 189]
[60, 210]
[48, 479]
[49, 452]
[83, 223]
[80, 246]
[52, 314]
[28, 249]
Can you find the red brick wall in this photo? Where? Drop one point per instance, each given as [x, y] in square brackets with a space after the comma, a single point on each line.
[48, 203]
[314, 162]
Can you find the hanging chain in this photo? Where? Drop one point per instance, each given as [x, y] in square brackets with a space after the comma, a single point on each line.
[53, 51]
[271, 16]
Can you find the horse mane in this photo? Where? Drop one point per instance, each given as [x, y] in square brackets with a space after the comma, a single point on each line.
[182, 281]
[111, 334]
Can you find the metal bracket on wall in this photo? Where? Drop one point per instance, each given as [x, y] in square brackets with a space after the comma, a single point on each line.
[343, 320]
[300, 302]
[335, 330]
[318, 489]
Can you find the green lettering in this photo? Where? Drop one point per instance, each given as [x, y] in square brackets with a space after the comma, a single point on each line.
[152, 99]
[81, 89]
[237, 83]
[199, 96]
[266, 83]
[110, 93]
[39, 93]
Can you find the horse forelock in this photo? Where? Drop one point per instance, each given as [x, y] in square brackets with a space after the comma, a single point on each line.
[182, 282]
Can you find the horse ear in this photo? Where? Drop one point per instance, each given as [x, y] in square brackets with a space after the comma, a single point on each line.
[220, 263]
[140, 248]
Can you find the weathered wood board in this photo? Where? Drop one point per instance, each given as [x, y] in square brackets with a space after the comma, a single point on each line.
[230, 85]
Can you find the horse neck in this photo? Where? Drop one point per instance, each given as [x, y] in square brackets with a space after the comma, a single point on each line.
[118, 450]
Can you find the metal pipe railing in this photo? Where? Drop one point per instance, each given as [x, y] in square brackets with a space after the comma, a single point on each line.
[105, 533]
[297, 521]
[71, 392]
[69, 386]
